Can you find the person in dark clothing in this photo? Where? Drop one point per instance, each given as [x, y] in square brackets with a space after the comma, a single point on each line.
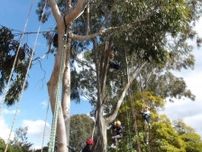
[89, 145]
[112, 63]
[117, 131]
[146, 114]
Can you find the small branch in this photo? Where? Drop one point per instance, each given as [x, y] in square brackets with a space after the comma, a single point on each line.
[29, 33]
[56, 12]
[77, 11]
[69, 3]
[86, 37]
[88, 19]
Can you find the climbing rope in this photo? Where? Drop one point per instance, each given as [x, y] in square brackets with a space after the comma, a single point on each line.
[44, 129]
[26, 76]
[18, 49]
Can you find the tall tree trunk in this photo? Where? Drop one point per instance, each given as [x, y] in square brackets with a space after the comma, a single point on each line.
[136, 129]
[101, 142]
[66, 104]
[63, 124]
[52, 87]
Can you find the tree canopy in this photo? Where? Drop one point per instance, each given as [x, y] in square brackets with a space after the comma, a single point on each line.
[12, 51]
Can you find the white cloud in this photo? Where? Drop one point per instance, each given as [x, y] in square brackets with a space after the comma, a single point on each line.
[10, 112]
[4, 127]
[4, 130]
[44, 104]
[35, 127]
[195, 121]
[36, 130]
[190, 111]
[180, 109]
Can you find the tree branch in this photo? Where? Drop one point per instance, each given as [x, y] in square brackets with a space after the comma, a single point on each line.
[56, 12]
[103, 30]
[87, 37]
[76, 11]
[69, 3]
[112, 117]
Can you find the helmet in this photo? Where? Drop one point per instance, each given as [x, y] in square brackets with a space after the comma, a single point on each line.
[90, 141]
[118, 123]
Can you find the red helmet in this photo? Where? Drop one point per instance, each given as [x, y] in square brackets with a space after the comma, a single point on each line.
[90, 141]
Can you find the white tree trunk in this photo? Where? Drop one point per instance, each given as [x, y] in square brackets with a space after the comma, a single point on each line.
[101, 142]
[66, 95]
[63, 124]
[52, 87]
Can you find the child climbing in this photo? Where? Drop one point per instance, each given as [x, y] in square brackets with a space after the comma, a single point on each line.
[146, 114]
[117, 133]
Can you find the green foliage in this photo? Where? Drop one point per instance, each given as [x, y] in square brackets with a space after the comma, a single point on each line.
[8, 50]
[164, 136]
[192, 140]
[2, 145]
[169, 140]
[146, 31]
[154, 32]
[20, 141]
[19, 144]
[81, 129]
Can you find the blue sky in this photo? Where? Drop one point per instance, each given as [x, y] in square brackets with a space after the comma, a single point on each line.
[32, 107]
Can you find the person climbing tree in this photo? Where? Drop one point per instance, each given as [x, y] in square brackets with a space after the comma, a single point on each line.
[117, 133]
[112, 63]
[89, 145]
[146, 114]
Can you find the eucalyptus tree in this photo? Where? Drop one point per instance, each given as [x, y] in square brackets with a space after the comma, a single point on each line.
[189, 136]
[162, 135]
[134, 34]
[65, 13]
[147, 33]
[12, 51]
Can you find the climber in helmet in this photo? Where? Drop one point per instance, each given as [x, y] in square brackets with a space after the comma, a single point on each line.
[89, 145]
[117, 133]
